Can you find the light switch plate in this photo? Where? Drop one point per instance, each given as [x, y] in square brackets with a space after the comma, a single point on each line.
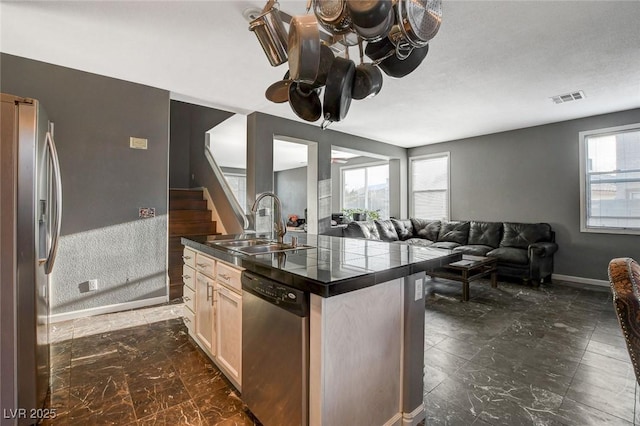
[137, 143]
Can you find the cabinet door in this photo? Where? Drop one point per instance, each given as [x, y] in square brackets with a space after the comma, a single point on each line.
[205, 300]
[229, 332]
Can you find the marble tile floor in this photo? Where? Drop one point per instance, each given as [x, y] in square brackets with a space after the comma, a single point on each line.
[516, 355]
[137, 368]
[510, 356]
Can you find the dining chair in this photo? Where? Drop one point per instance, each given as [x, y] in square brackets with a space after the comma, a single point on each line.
[624, 276]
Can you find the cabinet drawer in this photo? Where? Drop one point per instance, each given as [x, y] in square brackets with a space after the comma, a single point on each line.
[189, 257]
[189, 297]
[206, 265]
[189, 319]
[189, 277]
[229, 276]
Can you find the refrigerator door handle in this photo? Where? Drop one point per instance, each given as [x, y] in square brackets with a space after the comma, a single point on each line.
[57, 203]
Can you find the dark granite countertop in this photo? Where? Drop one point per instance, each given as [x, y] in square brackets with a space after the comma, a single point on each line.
[334, 265]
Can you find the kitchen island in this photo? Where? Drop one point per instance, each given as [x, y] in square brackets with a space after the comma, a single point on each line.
[365, 339]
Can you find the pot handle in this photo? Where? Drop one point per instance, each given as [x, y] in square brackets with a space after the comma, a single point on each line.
[325, 122]
[401, 48]
[388, 55]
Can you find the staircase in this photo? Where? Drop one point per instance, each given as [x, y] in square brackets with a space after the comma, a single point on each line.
[188, 216]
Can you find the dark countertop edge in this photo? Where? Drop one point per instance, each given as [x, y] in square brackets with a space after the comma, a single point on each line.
[319, 288]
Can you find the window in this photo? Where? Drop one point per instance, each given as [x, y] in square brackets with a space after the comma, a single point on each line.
[238, 185]
[366, 188]
[610, 180]
[429, 186]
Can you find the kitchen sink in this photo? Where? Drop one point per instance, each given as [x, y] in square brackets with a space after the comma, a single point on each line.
[259, 246]
[242, 243]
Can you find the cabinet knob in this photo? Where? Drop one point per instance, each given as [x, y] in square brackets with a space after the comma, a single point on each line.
[202, 265]
[186, 298]
[186, 277]
[186, 257]
[225, 277]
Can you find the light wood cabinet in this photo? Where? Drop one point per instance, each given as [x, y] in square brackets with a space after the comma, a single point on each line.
[205, 312]
[189, 289]
[229, 331]
[213, 310]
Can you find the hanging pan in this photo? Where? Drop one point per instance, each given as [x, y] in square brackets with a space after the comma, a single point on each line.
[371, 19]
[383, 53]
[304, 48]
[278, 92]
[367, 80]
[305, 101]
[337, 93]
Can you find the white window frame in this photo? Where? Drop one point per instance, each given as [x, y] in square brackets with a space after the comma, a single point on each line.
[360, 166]
[582, 141]
[446, 154]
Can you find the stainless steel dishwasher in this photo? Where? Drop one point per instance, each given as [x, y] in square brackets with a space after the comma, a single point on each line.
[275, 351]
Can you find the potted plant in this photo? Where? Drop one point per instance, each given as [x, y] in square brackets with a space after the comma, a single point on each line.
[360, 215]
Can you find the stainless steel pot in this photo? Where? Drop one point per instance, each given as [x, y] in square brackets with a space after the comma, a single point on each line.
[333, 15]
[272, 35]
[418, 23]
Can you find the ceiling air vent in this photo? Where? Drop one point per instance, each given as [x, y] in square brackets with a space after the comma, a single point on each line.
[568, 97]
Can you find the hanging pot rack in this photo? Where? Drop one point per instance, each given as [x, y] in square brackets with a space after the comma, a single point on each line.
[403, 27]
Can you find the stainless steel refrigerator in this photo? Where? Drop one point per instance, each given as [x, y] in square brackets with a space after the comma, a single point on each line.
[31, 206]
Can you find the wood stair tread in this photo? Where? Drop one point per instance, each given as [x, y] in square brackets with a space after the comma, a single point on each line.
[188, 216]
[189, 194]
[187, 204]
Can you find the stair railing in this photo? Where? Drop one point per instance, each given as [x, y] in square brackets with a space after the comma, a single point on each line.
[226, 189]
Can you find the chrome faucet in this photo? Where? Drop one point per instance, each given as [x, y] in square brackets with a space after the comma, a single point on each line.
[278, 221]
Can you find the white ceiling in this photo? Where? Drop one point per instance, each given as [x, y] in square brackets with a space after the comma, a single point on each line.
[492, 67]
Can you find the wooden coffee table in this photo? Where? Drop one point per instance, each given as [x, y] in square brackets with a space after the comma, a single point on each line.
[470, 268]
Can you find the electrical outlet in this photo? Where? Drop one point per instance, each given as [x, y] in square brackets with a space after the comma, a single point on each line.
[93, 285]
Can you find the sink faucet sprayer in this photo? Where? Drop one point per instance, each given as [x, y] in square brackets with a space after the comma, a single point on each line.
[278, 221]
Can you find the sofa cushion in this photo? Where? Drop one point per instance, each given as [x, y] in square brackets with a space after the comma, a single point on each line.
[427, 229]
[366, 230]
[449, 245]
[521, 235]
[455, 232]
[510, 255]
[404, 228]
[473, 249]
[485, 233]
[419, 242]
[386, 230]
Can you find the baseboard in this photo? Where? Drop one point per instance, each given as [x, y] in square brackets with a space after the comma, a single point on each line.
[580, 280]
[414, 417]
[65, 316]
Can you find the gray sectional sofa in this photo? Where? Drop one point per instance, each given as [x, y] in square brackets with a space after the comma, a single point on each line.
[523, 250]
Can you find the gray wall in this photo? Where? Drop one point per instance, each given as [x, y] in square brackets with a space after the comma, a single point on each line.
[532, 175]
[291, 187]
[189, 124]
[104, 181]
[179, 146]
[261, 128]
